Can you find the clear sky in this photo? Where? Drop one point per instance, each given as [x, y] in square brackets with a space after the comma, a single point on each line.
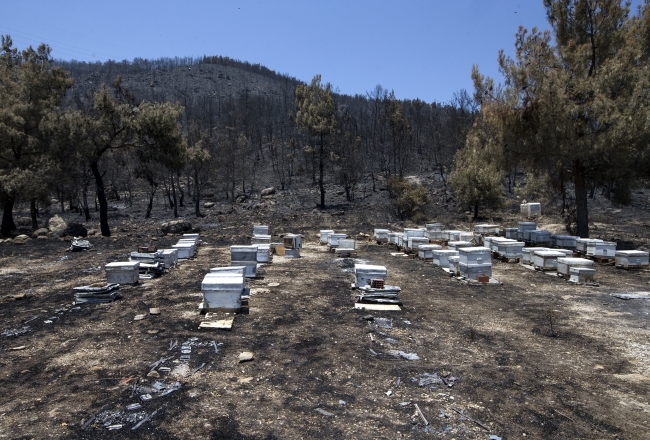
[419, 48]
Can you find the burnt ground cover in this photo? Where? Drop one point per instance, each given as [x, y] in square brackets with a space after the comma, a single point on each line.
[488, 364]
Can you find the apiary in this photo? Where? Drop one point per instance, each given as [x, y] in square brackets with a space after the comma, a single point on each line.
[333, 239]
[366, 272]
[511, 233]
[566, 241]
[539, 237]
[261, 239]
[222, 292]
[527, 254]
[425, 251]
[487, 229]
[243, 253]
[632, 259]
[455, 245]
[264, 253]
[185, 250]
[168, 257]
[293, 241]
[441, 256]
[474, 255]
[603, 249]
[261, 230]
[564, 264]
[510, 249]
[451, 235]
[250, 270]
[123, 272]
[381, 235]
[472, 271]
[414, 242]
[325, 235]
[582, 275]
[453, 262]
[546, 260]
[581, 244]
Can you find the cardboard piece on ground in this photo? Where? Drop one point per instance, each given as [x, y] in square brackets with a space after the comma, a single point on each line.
[378, 307]
[222, 324]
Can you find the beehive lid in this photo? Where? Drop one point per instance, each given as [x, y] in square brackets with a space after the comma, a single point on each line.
[429, 247]
[589, 240]
[331, 235]
[168, 251]
[368, 268]
[474, 250]
[382, 231]
[444, 252]
[326, 231]
[183, 245]
[251, 248]
[191, 236]
[216, 282]
[535, 249]
[433, 227]
[512, 243]
[571, 261]
[550, 254]
[582, 271]
[566, 237]
[461, 243]
[128, 265]
[632, 253]
[262, 236]
[453, 258]
[229, 270]
[540, 232]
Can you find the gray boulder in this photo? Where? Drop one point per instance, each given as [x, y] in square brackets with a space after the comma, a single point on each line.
[268, 192]
[176, 227]
[56, 225]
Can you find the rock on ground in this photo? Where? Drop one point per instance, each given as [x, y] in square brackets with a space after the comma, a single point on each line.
[268, 191]
[56, 225]
[176, 227]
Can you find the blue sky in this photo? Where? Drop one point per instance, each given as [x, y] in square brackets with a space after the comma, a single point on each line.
[419, 48]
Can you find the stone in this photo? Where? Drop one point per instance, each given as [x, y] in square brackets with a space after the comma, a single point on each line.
[76, 230]
[176, 227]
[42, 232]
[21, 239]
[153, 374]
[208, 205]
[241, 198]
[268, 192]
[245, 356]
[24, 221]
[56, 225]
[93, 231]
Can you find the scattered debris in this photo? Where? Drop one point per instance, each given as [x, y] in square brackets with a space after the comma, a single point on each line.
[16, 331]
[245, 356]
[154, 311]
[96, 293]
[79, 244]
[146, 419]
[633, 295]
[210, 322]
[408, 356]
[471, 419]
[138, 317]
[323, 412]
[417, 409]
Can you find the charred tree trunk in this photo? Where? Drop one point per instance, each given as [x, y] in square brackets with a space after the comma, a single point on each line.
[8, 224]
[321, 184]
[197, 195]
[101, 197]
[85, 201]
[174, 196]
[151, 194]
[34, 213]
[582, 211]
[475, 211]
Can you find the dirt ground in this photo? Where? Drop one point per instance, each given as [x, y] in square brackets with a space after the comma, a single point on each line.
[488, 362]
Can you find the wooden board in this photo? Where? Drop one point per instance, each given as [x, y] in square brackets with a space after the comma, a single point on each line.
[221, 324]
[378, 307]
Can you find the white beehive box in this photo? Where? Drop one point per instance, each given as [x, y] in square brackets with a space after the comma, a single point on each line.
[169, 257]
[414, 242]
[414, 232]
[441, 256]
[540, 237]
[487, 242]
[433, 227]
[450, 235]
[381, 235]
[261, 239]
[453, 262]
[511, 233]
[222, 292]
[392, 237]
[494, 242]
[564, 264]
[333, 239]
[632, 259]
[466, 236]
[293, 241]
[185, 250]
[366, 272]
[194, 237]
[546, 260]
[292, 253]
[243, 253]
[433, 231]
[122, 272]
[527, 254]
[325, 235]
[347, 243]
[228, 271]
[531, 209]
[474, 255]
[566, 241]
[487, 229]
[189, 240]
[582, 243]
[582, 275]
[605, 249]
[567, 252]
[264, 253]
[510, 249]
[261, 230]
[472, 271]
[523, 227]
[425, 251]
[455, 245]
[250, 270]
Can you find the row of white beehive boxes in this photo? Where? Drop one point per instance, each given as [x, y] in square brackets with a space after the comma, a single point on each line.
[223, 287]
[187, 245]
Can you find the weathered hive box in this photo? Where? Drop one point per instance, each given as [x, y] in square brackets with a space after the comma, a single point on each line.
[228, 271]
[325, 235]
[531, 209]
[466, 236]
[582, 275]
[392, 237]
[632, 259]
[441, 256]
[566, 241]
[564, 264]
[494, 242]
[293, 241]
[433, 227]
[366, 272]
[347, 243]
[433, 231]
[523, 227]
[455, 245]
[193, 237]
[333, 239]
[414, 232]
[145, 257]
[425, 251]
[243, 253]
[261, 230]
[169, 257]
[472, 271]
[474, 255]
[381, 235]
[261, 239]
[453, 263]
[510, 249]
[222, 292]
[185, 250]
[264, 253]
[567, 252]
[527, 254]
[603, 249]
[487, 229]
[546, 260]
[511, 233]
[581, 244]
[414, 242]
[250, 270]
[539, 237]
[487, 242]
[451, 235]
[122, 272]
